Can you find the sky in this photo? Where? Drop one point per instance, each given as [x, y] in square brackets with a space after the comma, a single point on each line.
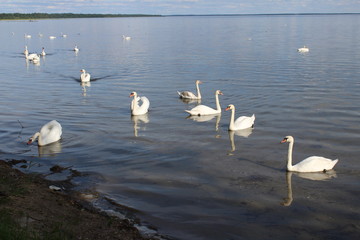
[173, 7]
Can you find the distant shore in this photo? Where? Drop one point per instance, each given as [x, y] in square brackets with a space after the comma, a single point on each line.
[36, 16]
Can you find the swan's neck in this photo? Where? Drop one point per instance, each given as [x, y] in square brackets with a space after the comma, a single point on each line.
[218, 108]
[35, 136]
[198, 90]
[134, 103]
[289, 162]
[232, 119]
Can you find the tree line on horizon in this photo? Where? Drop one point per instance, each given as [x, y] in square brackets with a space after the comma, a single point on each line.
[18, 16]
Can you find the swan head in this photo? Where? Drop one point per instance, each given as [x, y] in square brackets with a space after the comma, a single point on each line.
[218, 92]
[198, 82]
[230, 106]
[288, 139]
[82, 70]
[133, 94]
[33, 138]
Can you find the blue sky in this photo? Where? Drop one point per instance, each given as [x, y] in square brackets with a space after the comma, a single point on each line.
[168, 7]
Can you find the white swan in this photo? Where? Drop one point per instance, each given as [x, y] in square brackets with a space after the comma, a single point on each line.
[190, 95]
[303, 49]
[201, 110]
[76, 49]
[52, 37]
[84, 77]
[310, 164]
[32, 57]
[240, 123]
[43, 53]
[126, 37]
[135, 108]
[49, 133]
[26, 51]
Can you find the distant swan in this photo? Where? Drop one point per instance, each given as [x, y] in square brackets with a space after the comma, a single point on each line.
[240, 123]
[49, 133]
[26, 51]
[84, 77]
[310, 164]
[126, 37]
[303, 49]
[43, 52]
[32, 57]
[190, 95]
[76, 49]
[201, 110]
[135, 108]
[52, 37]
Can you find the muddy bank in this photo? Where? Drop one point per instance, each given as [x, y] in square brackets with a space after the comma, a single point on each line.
[32, 207]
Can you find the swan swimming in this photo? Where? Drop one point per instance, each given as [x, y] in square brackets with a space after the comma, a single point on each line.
[135, 108]
[201, 110]
[303, 49]
[310, 164]
[240, 123]
[76, 49]
[43, 52]
[84, 77]
[190, 95]
[49, 133]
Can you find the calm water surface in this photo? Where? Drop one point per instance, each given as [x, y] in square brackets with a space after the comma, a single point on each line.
[190, 177]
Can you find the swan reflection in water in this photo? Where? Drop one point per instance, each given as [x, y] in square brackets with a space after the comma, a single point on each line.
[50, 150]
[241, 133]
[136, 119]
[189, 101]
[206, 118]
[314, 176]
[84, 85]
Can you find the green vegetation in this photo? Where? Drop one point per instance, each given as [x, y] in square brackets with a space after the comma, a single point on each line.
[31, 16]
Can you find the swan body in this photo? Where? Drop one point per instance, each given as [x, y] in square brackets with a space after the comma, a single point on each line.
[32, 57]
[52, 37]
[190, 95]
[76, 49]
[27, 35]
[84, 77]
[126, 37]
[240, 123]
[303, 49]
[310, 164]
[201, 110]
[49, 133]
[136, 109]
[43, 53]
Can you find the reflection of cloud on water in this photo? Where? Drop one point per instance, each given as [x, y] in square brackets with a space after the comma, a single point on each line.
[137, 119]
[241, 133]
[50, 150]
[314, 176]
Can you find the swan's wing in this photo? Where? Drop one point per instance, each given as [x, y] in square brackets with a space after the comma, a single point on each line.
[244, 122]
[201, 110]
[145, 103]
[187, 94]
[51, 132]
[315, 164]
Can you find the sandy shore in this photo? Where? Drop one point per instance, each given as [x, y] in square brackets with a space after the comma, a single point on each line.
[32, 207]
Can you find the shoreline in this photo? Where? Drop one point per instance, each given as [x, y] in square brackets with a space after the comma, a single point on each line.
[33, 207]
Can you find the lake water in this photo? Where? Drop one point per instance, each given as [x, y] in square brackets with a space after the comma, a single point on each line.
[190, 177]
